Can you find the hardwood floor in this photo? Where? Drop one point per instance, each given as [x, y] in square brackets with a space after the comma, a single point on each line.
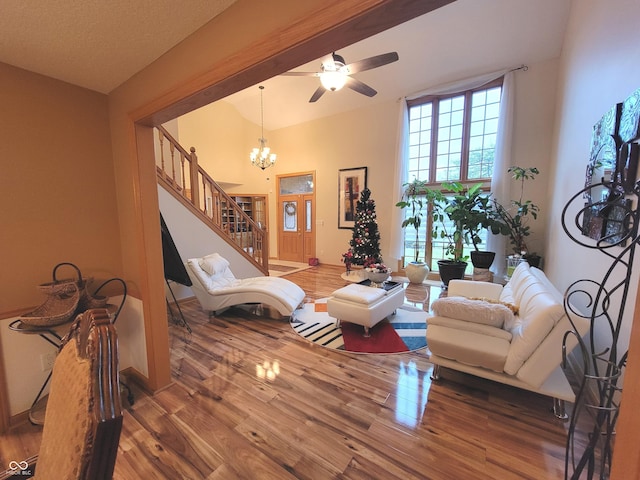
[324, 414]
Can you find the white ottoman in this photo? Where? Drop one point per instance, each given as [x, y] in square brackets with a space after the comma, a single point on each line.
[364, 305]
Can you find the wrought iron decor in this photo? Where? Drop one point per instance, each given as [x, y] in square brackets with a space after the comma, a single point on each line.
[610, 217]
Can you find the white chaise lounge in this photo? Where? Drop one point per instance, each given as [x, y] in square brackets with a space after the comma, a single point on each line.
[217, 288]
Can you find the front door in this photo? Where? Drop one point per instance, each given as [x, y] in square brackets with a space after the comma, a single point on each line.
[296, 217]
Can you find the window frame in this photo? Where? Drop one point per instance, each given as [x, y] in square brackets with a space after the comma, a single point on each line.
[435, 99]
[466, 126]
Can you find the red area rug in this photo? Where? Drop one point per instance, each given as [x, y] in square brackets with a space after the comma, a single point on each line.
[383, 339]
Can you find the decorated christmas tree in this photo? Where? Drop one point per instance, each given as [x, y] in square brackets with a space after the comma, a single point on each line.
[365, 244]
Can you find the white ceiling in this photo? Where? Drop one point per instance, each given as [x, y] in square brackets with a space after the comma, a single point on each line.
[99, 45]
[459, 40]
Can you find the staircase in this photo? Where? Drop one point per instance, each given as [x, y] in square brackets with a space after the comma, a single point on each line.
[181, 176]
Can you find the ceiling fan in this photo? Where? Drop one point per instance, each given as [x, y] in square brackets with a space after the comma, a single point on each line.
[336, 73]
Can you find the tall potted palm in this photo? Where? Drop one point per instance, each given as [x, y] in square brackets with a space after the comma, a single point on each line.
[518, 214]
[415, 200]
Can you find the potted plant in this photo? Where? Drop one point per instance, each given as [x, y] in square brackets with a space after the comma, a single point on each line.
[414, 199]
[459, 218]
[518, 214]
[472, 212]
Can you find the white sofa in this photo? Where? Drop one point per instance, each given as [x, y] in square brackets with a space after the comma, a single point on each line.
[216, 287]
[484, 338]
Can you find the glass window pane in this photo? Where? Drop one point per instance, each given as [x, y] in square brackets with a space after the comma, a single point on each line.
[443, 133]
[425, 150]
[493, 95]
[475, 143]
[477, 128]
[308, 216]
[457, 103]
[443, 147]
[425, 136]
[479, 98]
[290, 215]
[493, 110]
[296, 185]
[491, 126]
[457, 117]
[456, 132]
[477, 113]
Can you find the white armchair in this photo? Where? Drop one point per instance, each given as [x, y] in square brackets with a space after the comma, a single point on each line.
[523, 350]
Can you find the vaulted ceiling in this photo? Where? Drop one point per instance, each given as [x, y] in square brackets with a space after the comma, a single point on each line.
[99, 45]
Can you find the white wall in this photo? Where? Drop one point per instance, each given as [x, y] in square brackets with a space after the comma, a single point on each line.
[598, 68]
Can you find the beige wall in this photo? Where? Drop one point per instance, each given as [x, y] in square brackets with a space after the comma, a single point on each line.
[59, 205]
[57, 185]
[598, 69]
[596, 73]
[79, 175]
[364, 137]
[217, 60]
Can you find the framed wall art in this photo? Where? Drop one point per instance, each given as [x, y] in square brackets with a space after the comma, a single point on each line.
[351, 182]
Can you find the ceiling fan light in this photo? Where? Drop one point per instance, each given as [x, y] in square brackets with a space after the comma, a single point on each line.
[333, 80]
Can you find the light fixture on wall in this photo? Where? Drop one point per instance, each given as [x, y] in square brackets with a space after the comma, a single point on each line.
[261, 156]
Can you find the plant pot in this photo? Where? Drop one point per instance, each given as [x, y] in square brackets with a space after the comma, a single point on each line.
[482, 259]
[450, 270]
[533, 259]
[416, 271]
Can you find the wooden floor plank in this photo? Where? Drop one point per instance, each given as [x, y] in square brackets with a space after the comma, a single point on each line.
[323, 414]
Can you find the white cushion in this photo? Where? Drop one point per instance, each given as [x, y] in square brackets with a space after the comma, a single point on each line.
[468, 347]
[471, 310]
[214, 264]
[539, 313]
[472, 288]
[470, 327]
[211, 282]
[359, 293]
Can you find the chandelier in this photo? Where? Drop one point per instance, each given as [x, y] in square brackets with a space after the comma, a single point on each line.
[262, 156]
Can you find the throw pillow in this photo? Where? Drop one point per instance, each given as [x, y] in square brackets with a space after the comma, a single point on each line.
[514, 308]
[213, 264]
[470, 310]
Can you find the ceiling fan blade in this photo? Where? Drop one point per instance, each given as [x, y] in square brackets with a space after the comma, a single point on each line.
[301, 74]
[372, 62]
[317, 94]
[360, 87]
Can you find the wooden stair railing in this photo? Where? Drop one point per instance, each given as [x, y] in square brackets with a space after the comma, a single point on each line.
[181, 176]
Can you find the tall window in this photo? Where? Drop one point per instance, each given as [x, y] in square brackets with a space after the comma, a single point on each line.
[451, 138]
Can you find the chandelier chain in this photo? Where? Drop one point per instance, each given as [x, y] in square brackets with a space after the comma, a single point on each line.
[261, 156]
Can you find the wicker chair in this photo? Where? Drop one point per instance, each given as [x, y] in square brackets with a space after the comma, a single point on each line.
[84, 416]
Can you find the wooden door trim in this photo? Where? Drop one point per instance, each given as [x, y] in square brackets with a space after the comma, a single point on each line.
[279, 217]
